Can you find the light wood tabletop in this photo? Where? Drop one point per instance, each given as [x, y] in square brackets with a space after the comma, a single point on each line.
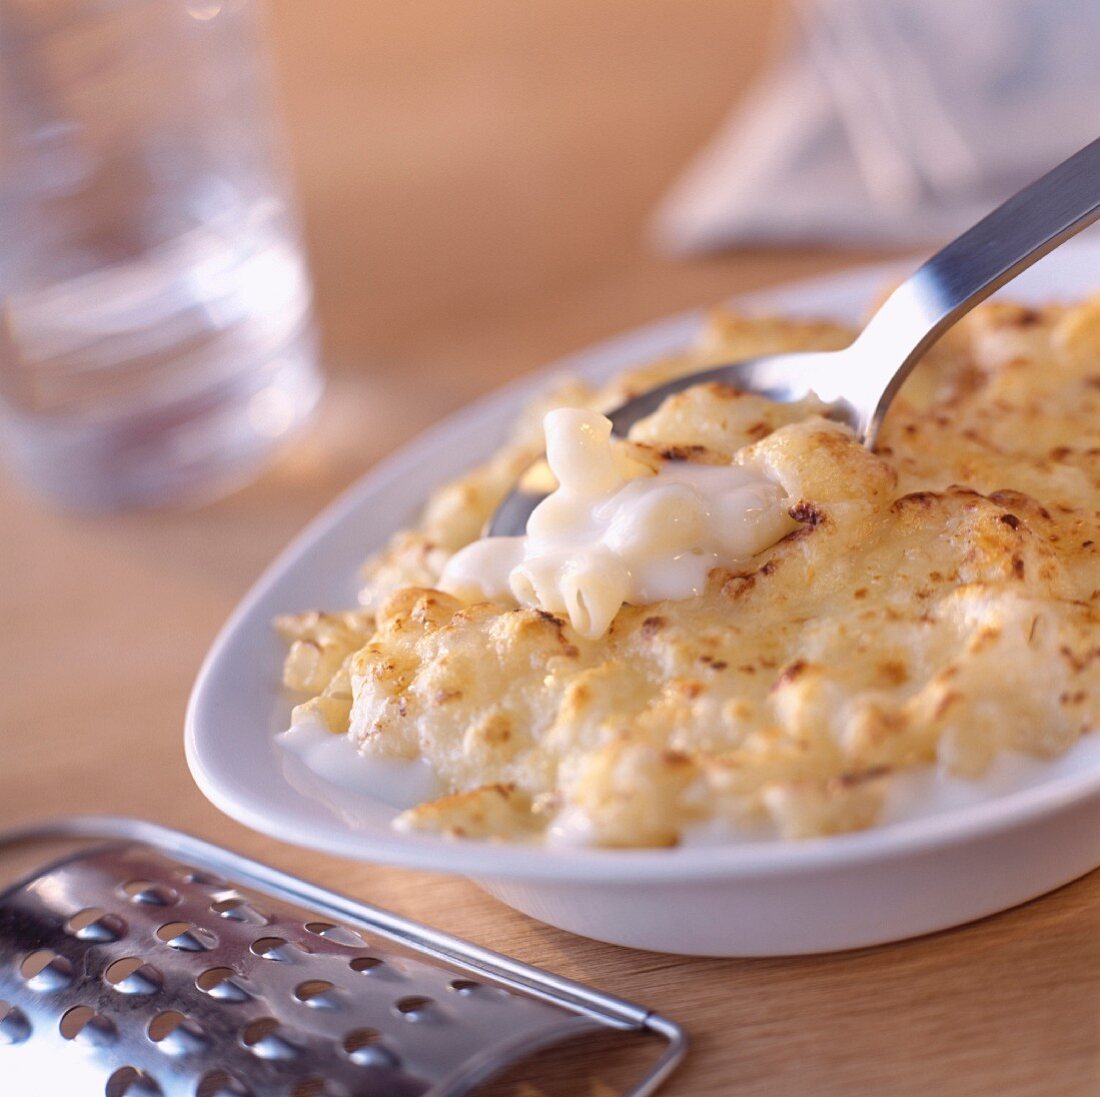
[475, 180]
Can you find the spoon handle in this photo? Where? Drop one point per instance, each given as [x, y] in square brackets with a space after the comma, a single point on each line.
[1002, 244]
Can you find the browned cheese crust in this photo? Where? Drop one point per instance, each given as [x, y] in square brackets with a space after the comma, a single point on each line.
[938, 603]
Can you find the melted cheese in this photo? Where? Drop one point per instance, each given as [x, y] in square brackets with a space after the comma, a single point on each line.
[613, 532]
[936, 609]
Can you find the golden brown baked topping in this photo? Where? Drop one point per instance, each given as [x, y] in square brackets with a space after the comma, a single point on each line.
[939, 602]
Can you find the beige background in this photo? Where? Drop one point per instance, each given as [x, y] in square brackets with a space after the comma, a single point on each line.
[474, 179]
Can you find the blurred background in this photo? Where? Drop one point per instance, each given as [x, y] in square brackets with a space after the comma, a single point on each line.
[477, 180]
[488, 185]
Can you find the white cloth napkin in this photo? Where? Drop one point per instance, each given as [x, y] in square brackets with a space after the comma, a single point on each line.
[894, 122]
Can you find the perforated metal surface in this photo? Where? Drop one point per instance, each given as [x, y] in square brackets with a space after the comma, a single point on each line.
[126, 972]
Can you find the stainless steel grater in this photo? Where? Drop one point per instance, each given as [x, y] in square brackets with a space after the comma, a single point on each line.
[159, 964]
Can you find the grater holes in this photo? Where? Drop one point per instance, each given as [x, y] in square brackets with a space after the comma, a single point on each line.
[131, 1082]
[468, 988]
[214, 977]
[164, 1024]
[364, 1048]
[220, 1083]
[221, 983]
[175, 1034]
[36, 962]
[364, 963]
[415, 1007]
[150, 893]
[95, 924]
[263, 1039]
[131, 975]
[340, 935]
[275, 948]
[43, 969]
[186, 937]
[237, 910]
[74, 1020]
[256, 1030]
[360, 1038]
[318, 993]
[84, 1024]
[201, 879]
[122, 969]
[14, 1026]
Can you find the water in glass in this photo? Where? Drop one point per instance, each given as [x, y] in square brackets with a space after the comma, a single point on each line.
[155, 339]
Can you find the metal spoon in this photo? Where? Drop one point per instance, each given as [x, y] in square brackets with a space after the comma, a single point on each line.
[860, 381]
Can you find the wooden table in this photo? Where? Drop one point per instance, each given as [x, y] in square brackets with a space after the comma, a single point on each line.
[475, 179]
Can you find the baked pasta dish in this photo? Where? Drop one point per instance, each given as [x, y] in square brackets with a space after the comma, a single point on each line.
[739, 617]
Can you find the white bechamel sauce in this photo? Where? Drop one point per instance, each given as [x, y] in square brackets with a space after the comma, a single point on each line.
[357, 786]
[613, 532]
[336, 762]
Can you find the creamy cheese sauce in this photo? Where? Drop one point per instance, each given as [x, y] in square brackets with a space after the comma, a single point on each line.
[613, 532]
[339, 767]
[356, 786]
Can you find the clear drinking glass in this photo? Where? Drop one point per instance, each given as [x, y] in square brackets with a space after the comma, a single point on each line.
[155, 338]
